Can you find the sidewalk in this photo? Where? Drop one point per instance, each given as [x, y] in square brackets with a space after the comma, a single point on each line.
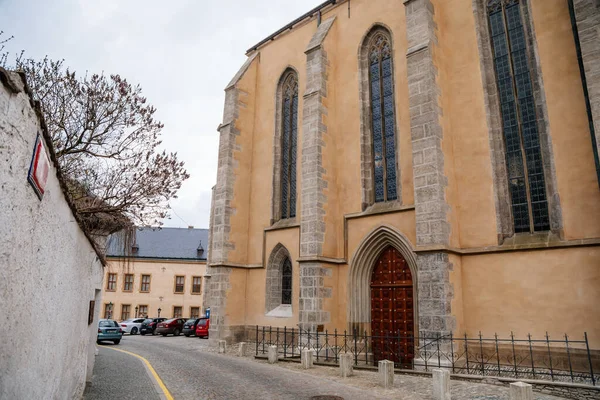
[120, 375]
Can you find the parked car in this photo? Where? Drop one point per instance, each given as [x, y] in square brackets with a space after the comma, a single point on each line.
[173, 325]
[109, 330]
[202, 327]
[189, 328]
[149, 325]
[132, 325]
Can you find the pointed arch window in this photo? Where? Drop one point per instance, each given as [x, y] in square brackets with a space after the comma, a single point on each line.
[524, 162]
[286, 282]
[383, 123]
[289, 140]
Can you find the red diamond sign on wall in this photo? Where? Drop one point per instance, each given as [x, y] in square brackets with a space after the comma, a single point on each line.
[39, 168]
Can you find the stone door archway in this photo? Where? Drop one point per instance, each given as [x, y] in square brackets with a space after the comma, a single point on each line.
[361, 270]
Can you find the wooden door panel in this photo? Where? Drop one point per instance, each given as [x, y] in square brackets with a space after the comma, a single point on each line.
[392, 313]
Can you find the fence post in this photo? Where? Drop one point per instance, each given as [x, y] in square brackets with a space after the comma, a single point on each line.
[277, 337]
[263, 339]
[284, 341]
[355, 349]
[317, 345]
[587, 347]
[549, 356]
[481, 354]
[497, 353]
[335, 345]
[326, 346]
[452, 350]
[531, 355]
[366, 342]
[256, 339]
[569, 356]
[439, 337]
[512, 339]
[425, 348]
[467, 352]
[293, 343]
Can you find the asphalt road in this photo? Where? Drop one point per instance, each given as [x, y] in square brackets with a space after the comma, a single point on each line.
[189, 371]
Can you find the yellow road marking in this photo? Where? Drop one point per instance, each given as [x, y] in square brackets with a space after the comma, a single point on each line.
[152, 371]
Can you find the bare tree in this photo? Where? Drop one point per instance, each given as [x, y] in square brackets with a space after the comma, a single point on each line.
[107, 143]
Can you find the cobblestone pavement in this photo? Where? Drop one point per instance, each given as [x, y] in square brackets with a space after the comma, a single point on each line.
[119, 375]
[192, 370]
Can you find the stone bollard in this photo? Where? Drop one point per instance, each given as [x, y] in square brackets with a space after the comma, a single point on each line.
[521, 391]
[272, 354]
[307, 358]
[346, 366]
[242, 349]
[222, 346]
[441, 384]
[386, 373]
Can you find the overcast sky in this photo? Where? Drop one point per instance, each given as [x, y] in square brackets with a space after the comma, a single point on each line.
[182, 53]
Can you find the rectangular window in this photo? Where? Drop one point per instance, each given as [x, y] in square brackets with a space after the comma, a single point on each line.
[179, 284]
[108, 310]
[194, 312]
[145, 285]
[128, 283]
[111, 282]
[519, 120]
[196, 285]
[125, 311]
[142, 310]
[91, 312]
[177, 311]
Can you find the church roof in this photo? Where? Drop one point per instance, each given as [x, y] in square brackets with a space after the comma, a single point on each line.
[161, 243]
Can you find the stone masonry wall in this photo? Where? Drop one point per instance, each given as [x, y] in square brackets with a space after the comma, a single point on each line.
[587, 14]
[434, 291]
[218, 267]
[312, 225]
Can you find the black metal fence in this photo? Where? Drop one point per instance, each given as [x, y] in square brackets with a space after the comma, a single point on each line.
[554, 359]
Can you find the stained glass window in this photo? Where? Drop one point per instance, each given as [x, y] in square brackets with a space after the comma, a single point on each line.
[519, 122]
[289, 141]
[383, 120]
[286, 282]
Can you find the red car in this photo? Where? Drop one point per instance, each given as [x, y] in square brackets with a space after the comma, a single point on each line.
[173, 325]
[202, 327]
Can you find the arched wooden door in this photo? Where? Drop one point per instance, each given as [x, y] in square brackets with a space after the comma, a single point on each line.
[392, 309]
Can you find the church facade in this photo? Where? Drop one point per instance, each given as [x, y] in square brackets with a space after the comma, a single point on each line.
[434, 161]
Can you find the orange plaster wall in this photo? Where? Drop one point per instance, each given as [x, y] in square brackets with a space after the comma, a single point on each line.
[466, 141]
[533, 292]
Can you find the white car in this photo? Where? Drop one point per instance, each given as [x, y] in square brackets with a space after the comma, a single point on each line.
[132, 325]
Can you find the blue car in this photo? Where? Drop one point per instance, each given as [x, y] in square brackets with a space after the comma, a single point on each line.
[109, 330]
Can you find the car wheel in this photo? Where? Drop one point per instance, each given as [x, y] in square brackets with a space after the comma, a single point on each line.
[117, 341]
[153, 333]
[187, 335]
[97, 342]
[143, 333]
[176, 332]
[134, 331]
[164, 334]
